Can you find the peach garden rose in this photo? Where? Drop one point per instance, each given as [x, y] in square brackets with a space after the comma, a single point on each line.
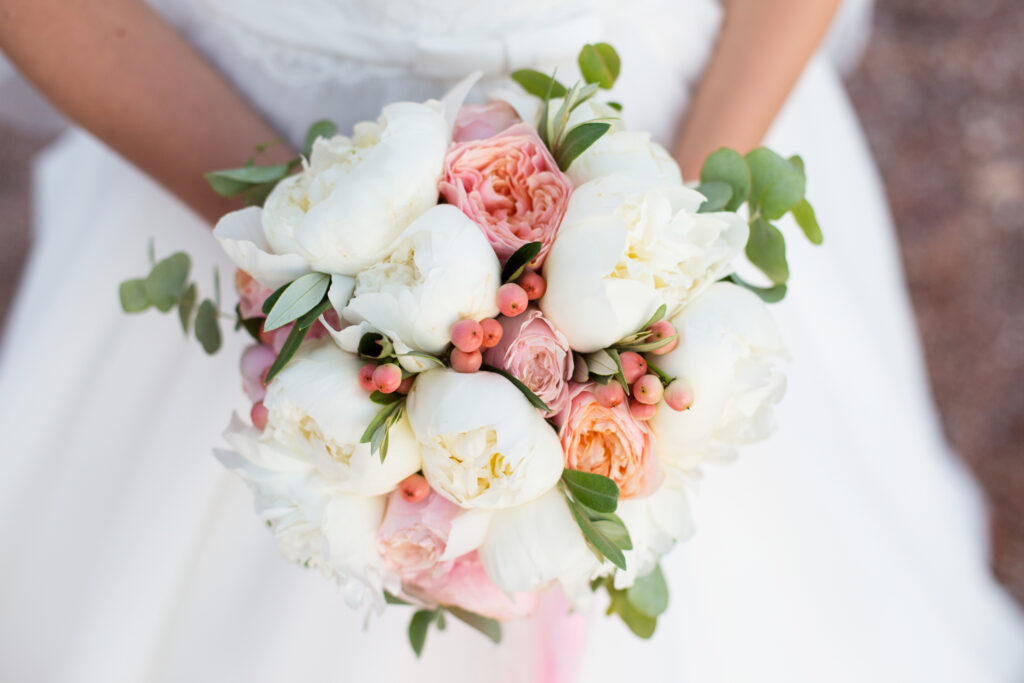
[511, 187]
[609, 442]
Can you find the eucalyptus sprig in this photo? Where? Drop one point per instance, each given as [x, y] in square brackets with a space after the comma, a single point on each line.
[771, 186]
[640, 605]
[422, 619]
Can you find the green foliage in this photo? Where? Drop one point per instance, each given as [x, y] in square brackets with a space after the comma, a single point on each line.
[133, 296]
[729, 167]
[518, 261]
[485, 625]
[422, 619]
[649, 593]
[766, 249]
[251, 325]
[597, 492]
[776, 184]
[538, 84]
[418, 627]
[288, 349]
[320, 129]
[717, 196]
[186, 304]
[577, 140]
[599, 64]
[376, 433]
[803, 213]
[208, 327]
[769, 295]
[641, 624]
[303, 295]
[620, 374]
[534, 399]
[166, 281]
[253, 183]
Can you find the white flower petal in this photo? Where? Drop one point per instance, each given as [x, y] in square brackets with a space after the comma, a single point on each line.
[350, 526]
[628, 152]
[241, 235]
[468, 531]
[655, 523]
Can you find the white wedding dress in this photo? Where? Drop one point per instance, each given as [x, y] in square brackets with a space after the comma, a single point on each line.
[849, 547]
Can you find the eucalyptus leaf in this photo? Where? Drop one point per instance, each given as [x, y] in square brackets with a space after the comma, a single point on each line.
[649, 593]
[798, 161]
[597, 492]
[208, 327]
[604, 545]
[534, 399]
[418, 627]
[166, 282]
[538, 84]
[770, 295]
[642, 625]
[728, 166]
[599, 64]
[485, 625]
[301, 296]
[577, 141]
[717, 196]
[133, 296]
[186, 305]
[288, 349]
[776, 184]
[766, 249]
[321, 129]
[803, 213]
[518, 261]
[256, 195]
[234, 181]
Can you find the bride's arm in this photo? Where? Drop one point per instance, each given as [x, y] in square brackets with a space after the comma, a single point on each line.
[118, 70]
[763, 47]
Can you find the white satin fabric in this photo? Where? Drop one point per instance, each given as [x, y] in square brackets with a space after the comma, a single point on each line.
[850, 547]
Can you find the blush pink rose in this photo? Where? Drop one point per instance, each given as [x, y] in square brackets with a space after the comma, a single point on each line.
[413, 536]
[511, 187]
[480, 121]
[536, 354]
[251, 295]
[608, 441]
[467, 585]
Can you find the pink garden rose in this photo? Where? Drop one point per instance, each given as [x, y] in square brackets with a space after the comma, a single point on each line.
[511, 187]
[256, 360]
[413, 536]
[467, 585]
[480, 121]
[536, 354]
[608, 441]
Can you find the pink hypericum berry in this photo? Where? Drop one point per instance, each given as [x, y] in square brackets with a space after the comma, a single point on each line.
[679, 395]
[414, 488]
[512, 300]
[406, 386]
[259, 414]
[533, 284]
[663, 329]
[648, 389]
[467, 335]
[492, 332]
[633, 366]
[610, 395]
[466, 362]
[387, 377]
[642, 411]
[366, 377]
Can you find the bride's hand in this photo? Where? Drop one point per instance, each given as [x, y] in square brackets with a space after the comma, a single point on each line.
[761, 51]
[118, 70]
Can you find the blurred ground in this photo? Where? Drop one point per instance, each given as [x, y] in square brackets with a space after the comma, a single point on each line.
[941, 94]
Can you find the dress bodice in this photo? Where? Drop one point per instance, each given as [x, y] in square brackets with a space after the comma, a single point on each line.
[303, 60]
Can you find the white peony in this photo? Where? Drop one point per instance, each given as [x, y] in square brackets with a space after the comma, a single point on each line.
[627, 152]
[731, 353]
[314, 523]
[655, 523]
[624, 249]
[441, 270]
[533, 544]
[483, 444]
[352, 199]
[318, 411]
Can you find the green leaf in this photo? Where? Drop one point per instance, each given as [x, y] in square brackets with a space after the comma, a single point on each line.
[186, 305]
[599, 64]
[595, 491]
[375, 346]
[311, 316]
[808, 222]
[620, 374]
[642, 625]
[208, 327]
[378, 421]
[577, 140]
[256, 195]
[776, 184]
[615, 105]
[288, 349]
[301, 296]
[658, 315]
[418, 627]
[538, 84]
[392, 599]
[649, 593]
[166, 282]
[269, 302]
[485, 625]
[386, 399]
[321, 129]
[766, 249]
[728, 166]
[518, 261]
[604, 545]
[133, 296]
[425, 356]
[234, 181]
[770, 295]
[645, 347]
[534, 399]
[798, 161]
[717, 194]
[615, 531]
[251, 325]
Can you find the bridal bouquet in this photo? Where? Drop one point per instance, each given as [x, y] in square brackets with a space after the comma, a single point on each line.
[494, 344]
